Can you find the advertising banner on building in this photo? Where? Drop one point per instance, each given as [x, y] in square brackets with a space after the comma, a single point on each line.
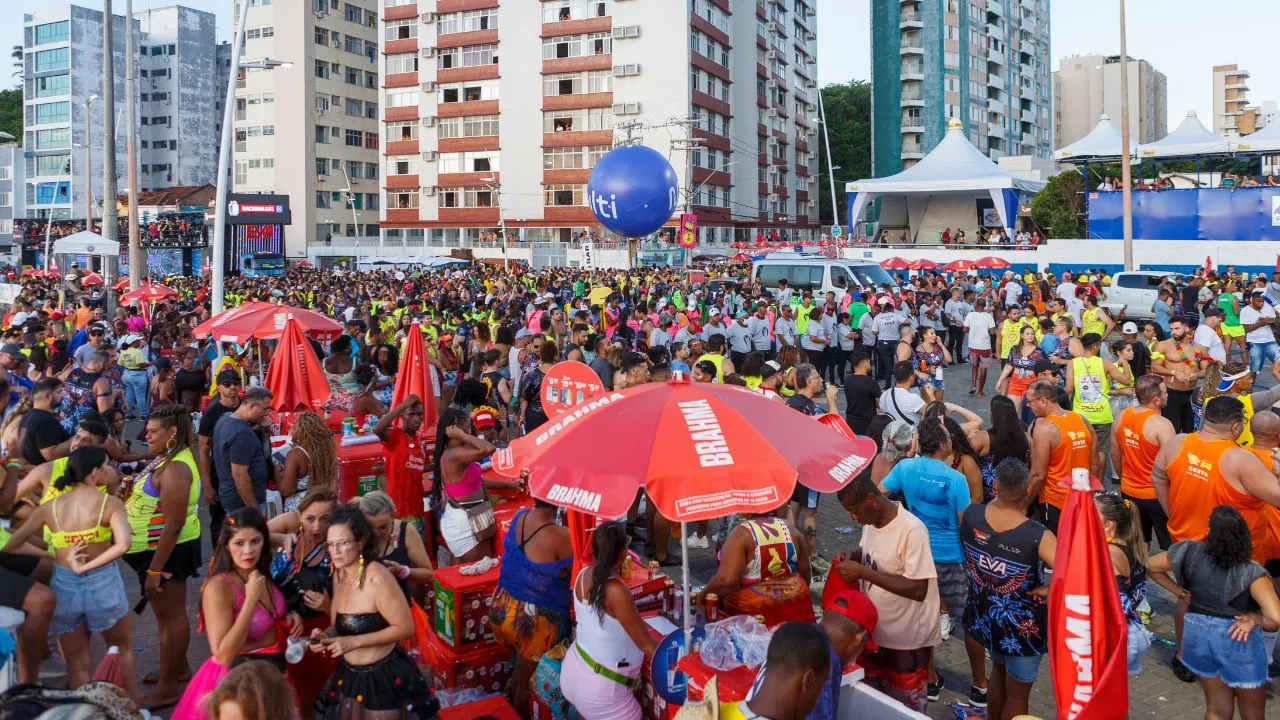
[688, 236]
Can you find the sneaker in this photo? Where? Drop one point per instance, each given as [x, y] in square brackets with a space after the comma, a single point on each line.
[699, 541]
[944, 621]
[977, 696]
[819, 565]
[934, 690]
[1182, 672]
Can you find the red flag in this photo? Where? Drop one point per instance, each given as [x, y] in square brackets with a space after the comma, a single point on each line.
[1087, 630]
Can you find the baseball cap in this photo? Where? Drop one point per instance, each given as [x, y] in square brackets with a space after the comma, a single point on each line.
[769, 369]
[229, 376]
[884, 300]
[856, 606]
[482, 418]
[1045, 365]
[1129, 328]
[97, 330]
[11, 349]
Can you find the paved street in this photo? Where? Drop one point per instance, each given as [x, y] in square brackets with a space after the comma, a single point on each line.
[1155, 693]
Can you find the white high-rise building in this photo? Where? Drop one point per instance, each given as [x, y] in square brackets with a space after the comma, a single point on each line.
[1086, 87]
[494, 113]
[176, 62]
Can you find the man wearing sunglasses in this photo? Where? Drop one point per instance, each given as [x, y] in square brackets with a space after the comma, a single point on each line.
[226, 401]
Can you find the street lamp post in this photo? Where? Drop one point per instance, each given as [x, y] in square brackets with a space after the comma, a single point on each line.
[831, 171]
[88, 167]
[355, 219]
[1126, 172]
[496, 188]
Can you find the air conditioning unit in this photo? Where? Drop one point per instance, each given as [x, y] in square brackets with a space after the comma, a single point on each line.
[773, 27]
[429, 191]
[427, 17]
[429, 86]
[320, 13]
[771, 55]
[771, 83]
[811, 83]
[430, 155]
[626, 31]
[626, 70]
[631, 108]
[428, 52]
[808, 12]
[429, 121]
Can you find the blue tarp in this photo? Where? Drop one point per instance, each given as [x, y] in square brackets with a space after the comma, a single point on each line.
[1205, 214]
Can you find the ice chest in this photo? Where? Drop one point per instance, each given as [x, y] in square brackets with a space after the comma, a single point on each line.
[462, 606]
[361, 468]
[733, 685]
[484, 667]
[647, 589]
[495, 707]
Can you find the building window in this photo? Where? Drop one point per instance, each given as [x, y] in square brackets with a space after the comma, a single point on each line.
[321, 36]
[322, 200]
[469, 91]
[53, 32]
[322, 166]
[402, 131]
[480, 161]
[468, 56]
[402, 63]
[53, 112]
[555, 121]
[353, 108]
[53, 139]
[577, 83]
[565, 10]
[55, 59]
[322, 69]
[400, 29]
[370, 110]
[351, 76]
[52, 164]
[470, 21]
[402, 165]
[401, 98]
[51, 85]
[565, 195]
[569, 46]
[407, 200]
[471, 126]
[354, 138]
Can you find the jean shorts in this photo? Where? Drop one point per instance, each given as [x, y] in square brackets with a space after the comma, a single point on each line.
[95, 599]
[1208, 651]
[1139, 643]
[1023, 668]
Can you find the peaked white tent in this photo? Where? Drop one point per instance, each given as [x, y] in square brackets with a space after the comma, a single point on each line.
[954, 170]
[1188, 139]
[1266, 140]
[86, 243]
[1102, 143]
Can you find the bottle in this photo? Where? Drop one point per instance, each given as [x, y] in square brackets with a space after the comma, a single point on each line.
[668, 598]
[655, 570]
[626, 568]
[675, 531]
[711, 607]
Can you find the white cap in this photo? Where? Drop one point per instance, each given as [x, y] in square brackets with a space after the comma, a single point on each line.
[1129, 328]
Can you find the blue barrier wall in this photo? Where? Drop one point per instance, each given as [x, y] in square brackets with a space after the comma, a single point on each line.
[1218, 214]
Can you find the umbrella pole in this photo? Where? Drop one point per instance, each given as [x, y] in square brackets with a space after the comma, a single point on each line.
[684, 566]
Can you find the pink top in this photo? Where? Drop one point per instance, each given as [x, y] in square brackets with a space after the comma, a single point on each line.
[469, 484]
[135, 323]
[262, 623]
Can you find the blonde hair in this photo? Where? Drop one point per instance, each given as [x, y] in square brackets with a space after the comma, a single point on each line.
[258, 688]
[312, 435]
[375, 503]
[22, 408]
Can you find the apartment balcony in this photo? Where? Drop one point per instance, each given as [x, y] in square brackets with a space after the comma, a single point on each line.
[912, 151]
[995, 7]
[910, 19]
[996, 31]
[1028, 116]
[996, 80]
[912, 99]
[1237, 84]
[997, 57]
[996, 131]
[912, 45]
[1028, 138]
[912, 125]
[911, 71]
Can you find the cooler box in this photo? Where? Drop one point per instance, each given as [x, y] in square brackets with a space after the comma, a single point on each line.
[649, 591]
[485, 667]
[733, 685]
[506, 503]
[462, 607]
[497, 708]
[652, 706]
[361, 468]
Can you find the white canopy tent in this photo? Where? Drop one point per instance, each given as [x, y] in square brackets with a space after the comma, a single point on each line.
[1191, 138]
[1266, 140]
[1102, 143]
[86, 243]
[954, 170]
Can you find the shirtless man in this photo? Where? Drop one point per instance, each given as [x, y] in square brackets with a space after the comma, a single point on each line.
[1182, 363]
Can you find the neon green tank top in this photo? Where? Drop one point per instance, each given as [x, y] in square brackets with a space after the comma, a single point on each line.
[1091, 390]
[1225, 302]
[146, 517]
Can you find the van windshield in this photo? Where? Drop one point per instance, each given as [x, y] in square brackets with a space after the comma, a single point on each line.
[869, 275]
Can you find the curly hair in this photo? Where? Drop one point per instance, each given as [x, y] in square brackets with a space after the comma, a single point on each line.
[312, 435]
[258, 689]
[1228, 543]
[22, 408]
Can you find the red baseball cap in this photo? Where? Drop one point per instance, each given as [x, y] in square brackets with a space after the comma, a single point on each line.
[855, 605]
[482, 419]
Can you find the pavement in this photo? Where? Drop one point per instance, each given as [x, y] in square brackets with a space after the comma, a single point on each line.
[1155, 693]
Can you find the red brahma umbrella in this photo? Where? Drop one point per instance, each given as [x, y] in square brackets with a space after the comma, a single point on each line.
[738, 246]
[741, 257]
[960, 266]
[121, 284]
[991, 262]
[265, 321]
[295, 377]
[148, 293]
[923, 264]
[91, 279]
[895, 263]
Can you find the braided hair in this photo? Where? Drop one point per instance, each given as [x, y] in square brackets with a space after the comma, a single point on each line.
[174, 416]
[82, 461]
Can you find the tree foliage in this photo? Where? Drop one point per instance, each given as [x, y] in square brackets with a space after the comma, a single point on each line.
[1058, 209]
[848, 110]
[11, 112]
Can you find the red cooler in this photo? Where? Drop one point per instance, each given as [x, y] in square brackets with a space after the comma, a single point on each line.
[506, 504]
[484, 667]
[495, 707]
[462, 607]
[361, 468]
[733, 685]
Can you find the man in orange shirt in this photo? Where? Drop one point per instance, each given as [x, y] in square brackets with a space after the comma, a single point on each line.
[1138, 434]
[1061, 441]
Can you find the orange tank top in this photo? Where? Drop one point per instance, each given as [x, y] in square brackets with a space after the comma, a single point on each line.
[1139, 454]
[1074, 451]
[1261, 517]
[1193, 478]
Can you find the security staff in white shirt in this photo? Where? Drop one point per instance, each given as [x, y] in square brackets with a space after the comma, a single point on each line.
[758, 329]
[784, 329]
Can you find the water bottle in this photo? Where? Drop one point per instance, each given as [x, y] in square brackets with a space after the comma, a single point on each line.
[295, 649]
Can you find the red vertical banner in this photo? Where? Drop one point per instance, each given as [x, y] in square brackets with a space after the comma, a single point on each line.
[688, 237]
[1087, 629]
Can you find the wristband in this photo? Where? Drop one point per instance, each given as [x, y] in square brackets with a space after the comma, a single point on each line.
[157, 573]
[404, 572]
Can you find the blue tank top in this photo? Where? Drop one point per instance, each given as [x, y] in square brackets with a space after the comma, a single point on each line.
[545, 585]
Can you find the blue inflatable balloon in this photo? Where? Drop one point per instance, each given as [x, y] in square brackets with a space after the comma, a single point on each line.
[633, 190]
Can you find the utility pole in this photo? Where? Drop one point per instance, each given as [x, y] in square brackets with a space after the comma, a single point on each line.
[1126, 172]
[137, 259]
[688, 145]
[831, 169]
[495, 186]
[219, 249]
[110, 229]
[88, 164]
[355, 220]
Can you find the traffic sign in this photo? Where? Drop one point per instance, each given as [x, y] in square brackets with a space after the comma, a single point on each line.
[836, 231]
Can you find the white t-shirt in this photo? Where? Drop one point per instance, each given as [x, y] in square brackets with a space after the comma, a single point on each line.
[1205, 337]
[907, 402]
[980, 325]
[1012, 292]
[1262, 333]
[1067, 291]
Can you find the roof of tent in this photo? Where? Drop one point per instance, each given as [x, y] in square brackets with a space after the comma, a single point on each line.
[954, 165]
[1265, 140]
[1188, 139]
[1103, 142]
[85, 243]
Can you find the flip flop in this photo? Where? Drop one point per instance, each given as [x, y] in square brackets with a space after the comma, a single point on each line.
[152, 678]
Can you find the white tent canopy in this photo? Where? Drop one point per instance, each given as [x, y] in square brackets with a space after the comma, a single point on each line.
[86, 243]
[1188, 139]
[954, 168]
[1103, 142]
[1265, 140]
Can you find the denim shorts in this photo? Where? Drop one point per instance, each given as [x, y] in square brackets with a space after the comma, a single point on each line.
[95, 598]
[1208, 651]
[1139, 643]
[1023, 668]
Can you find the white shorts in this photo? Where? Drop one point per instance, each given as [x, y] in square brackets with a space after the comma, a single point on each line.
[456, 530]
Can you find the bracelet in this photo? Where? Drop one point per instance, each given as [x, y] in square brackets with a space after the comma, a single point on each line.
[157, 573]
[404, 572]
[13, 464]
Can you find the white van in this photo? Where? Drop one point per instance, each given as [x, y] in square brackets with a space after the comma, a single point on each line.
[1135, 292]
[818, 274]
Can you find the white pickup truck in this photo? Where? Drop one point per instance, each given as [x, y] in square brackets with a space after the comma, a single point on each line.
[1135, 292]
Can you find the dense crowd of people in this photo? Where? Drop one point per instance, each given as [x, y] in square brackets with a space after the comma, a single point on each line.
[309, 599]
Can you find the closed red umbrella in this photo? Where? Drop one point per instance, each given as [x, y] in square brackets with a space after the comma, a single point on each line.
[265, 321]
[922, 264]
[414, 376]
[745, 451]
[895, 263]
[110, 669]
[295, 377]
[1088, 634]
[960, 266]
[148, 293]
[991, 262]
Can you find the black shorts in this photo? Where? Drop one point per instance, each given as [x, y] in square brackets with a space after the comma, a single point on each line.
[1048, 515]
[15, 578]
[805, 497]
[183, 562]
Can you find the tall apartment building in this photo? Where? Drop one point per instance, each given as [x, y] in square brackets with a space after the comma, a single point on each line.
[12, 200]
[1085, 87]
[1232, 113]
[62, 68]
[310, 127]
[495, 112]
[982, 62]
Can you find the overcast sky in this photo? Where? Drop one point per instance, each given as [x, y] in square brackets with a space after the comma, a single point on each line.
[1183, 39]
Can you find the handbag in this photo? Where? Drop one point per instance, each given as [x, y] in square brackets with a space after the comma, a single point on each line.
[480, 518]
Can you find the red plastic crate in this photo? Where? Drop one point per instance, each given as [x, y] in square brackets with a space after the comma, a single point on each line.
[462, 607]
[484, 667]
[361, 468]
[733, 685]
[652, 706]
[648, 590]
[497, 708]
[505, 508]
